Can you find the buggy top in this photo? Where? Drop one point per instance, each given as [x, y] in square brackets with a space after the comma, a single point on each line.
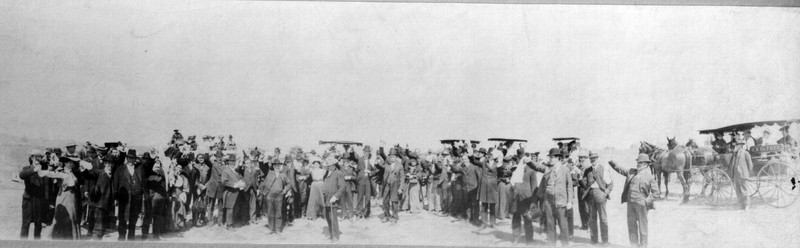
[339, 142]
[451, 141]
[748, 126]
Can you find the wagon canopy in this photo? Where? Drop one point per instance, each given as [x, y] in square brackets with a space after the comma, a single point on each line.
[339, 142]
[566, 138]
[451, 141]
[507, 140]
[748, 126]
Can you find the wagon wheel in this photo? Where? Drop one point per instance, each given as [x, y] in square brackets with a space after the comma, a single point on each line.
[721, 187]
[775, 186]
[697, 183]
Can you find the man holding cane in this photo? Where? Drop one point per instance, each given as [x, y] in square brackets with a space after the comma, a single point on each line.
[333, 187]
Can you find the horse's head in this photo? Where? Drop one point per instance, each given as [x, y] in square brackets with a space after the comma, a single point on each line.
[692, 144]
[671, 143]
[645, 147]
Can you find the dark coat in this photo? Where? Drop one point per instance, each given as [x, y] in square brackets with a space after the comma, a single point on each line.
[526, 189]
[230, 193]
[640, 187]
[488, 189]
[122, 181]
[275, 183]
[100, 194]
[214, 187]
[34, 184]
[363, 180]
[333, 186]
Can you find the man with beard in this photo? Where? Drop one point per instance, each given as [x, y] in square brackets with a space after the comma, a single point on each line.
[639, 192]
[273, 190]
[128, 189]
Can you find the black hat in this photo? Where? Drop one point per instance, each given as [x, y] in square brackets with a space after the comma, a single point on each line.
[131, 153]
[176, 130]
[108, 159]
[785, 128]
[111, 144]
[555, 152]
[65, 159]
[482, 150]
[57, 150]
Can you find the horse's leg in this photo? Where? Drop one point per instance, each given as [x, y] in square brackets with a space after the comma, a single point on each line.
[657, 173]
[666, 184]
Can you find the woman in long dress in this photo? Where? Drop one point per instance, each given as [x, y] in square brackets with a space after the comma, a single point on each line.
[315, 200]
[67, 221]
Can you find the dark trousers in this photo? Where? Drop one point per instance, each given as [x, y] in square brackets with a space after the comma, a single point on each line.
[637, 224]
[457, 204]
[597, 210]
[252, 200]
[363, 205]
[583, 208]
[390, 208]
[518, 217]
[128, 208]
[32, 209]
[101, 222]
[301, 199]
[490, 210]
[447, 198]
[274, 214]
[212, 203]
[288, 209]
[333, 222]
[90, 219]
[155, 215]
[473, 205]
[570, 221]
[555, 215]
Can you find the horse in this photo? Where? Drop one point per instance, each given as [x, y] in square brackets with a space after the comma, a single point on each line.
[665, 162]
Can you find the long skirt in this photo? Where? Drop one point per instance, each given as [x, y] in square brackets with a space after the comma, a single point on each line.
[504, 200]
[67, 222]
[315, 201]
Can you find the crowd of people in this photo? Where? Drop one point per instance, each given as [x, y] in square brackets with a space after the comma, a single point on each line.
[194, 184]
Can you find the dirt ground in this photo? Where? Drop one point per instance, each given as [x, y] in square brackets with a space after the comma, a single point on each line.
[672, 224]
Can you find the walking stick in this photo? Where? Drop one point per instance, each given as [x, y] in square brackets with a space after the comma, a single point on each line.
[327, 215]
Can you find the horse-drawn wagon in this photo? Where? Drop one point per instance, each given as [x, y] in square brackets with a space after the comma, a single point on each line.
[774, 166]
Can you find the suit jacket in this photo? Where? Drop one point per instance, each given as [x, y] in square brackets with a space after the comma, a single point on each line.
[527, 188]
[640, 187]
[275, 183]
[250, 178]
[34, 184]
[592, 176]
[290, 173]
[214, 188]
[364, 178]
[100, 194]
[228, 183]
[333, 186]
[472, 176]
[394, 178]
[122, 181]
[741, 163]
[561, 180]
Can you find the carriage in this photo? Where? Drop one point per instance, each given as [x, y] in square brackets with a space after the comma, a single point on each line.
[774, 167]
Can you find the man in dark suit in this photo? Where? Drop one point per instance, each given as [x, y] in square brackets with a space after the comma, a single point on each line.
[128, 189]
[33, 198]
[250, 177]
[233, 184]
[394, 180]
[333, 186]
[365, 170]
[214, 190]
[599, 185]
[290, 174]
[101, 199]
[523, 186]
[639, 192]
[472, 178]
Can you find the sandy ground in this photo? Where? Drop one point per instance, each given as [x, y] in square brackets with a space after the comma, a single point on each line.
[672, 224]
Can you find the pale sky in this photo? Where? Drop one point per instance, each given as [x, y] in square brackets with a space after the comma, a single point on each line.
[292, 73]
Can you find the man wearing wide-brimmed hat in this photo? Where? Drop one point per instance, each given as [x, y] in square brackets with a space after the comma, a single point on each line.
[787, 139]
[639, 192]
[333, 186]
[272, 191]
[214, 189]
[741, 164]
[128, 187]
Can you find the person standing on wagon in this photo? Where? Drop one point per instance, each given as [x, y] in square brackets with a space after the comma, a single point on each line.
[639, 191]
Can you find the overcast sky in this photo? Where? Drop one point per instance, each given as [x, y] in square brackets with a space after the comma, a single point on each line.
[286, 73]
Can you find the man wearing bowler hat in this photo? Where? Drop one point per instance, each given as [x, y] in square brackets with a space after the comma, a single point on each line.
[394, 178]
[639, 192]
[214, 190]
[128, 190]
[33, 198]
[555, 194]
[273, 189]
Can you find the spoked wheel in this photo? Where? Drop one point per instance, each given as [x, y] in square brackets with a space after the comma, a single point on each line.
[775, 186]
[721, 190]
[698, 183]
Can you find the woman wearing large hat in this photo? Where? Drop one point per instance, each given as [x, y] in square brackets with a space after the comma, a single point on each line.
[67, 220]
